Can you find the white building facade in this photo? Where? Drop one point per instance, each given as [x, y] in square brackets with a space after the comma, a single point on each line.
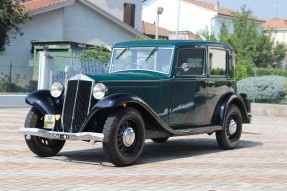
[194, 15]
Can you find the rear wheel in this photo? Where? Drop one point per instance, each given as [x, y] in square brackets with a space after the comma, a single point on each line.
[229, 137]
[124, 136]
[42, 147]
[160, 140]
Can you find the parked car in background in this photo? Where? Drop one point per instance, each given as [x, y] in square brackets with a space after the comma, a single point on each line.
[154, 90]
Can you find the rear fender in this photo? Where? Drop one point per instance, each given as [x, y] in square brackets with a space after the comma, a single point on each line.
[222, 106]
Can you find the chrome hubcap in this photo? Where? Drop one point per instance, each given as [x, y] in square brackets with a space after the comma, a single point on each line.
[129, 137]
[232, 127]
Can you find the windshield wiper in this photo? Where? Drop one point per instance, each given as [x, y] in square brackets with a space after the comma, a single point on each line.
[122, 53]
[152, 53]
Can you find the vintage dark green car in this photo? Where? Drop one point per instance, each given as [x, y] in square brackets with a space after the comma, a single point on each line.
[154, 90]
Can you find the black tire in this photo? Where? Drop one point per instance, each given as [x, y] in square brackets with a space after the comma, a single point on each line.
[42, 147]
[121, 150]
[229, 137]
[160, 140]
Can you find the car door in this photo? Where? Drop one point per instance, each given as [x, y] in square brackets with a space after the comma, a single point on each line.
[189, 89]
[220, 75]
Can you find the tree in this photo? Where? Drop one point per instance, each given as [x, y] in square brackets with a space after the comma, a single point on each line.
[96, 52]
[251, 46]
[11, 15]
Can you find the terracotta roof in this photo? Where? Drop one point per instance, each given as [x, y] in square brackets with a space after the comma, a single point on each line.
[37, 4]
[275, 23]
[211, 6]
[221, 10]
[149, 29]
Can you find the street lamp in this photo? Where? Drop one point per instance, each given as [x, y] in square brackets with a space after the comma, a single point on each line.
[159, 12]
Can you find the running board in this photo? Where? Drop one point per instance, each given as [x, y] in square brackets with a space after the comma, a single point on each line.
[197, 130]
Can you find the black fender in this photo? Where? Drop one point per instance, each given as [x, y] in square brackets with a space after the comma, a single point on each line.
[44, 102]
[120, 101]
[222, 106]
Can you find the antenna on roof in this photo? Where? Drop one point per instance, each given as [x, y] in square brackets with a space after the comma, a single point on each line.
[216, 7]
[277, 8]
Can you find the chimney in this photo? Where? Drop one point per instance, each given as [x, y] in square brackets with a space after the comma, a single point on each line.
[216, 7]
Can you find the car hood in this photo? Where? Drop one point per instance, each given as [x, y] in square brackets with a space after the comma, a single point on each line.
[129, 76]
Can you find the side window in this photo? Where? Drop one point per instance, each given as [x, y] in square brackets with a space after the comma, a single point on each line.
[217, 62]
[190, 61]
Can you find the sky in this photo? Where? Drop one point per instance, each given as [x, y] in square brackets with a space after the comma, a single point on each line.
[261, 8]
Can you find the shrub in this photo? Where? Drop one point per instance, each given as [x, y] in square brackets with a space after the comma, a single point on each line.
[263, 88]
[270, 71]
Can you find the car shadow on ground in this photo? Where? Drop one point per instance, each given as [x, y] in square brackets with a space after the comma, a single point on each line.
[154, 152]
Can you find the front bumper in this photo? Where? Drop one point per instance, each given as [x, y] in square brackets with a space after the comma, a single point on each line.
[83, 136]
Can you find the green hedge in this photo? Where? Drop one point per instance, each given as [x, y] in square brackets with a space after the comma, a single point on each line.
[270, 71]
[271, 89]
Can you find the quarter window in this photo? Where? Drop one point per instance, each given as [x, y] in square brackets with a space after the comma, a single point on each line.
[217, 62]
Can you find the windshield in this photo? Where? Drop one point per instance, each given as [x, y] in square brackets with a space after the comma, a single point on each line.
[141, 58]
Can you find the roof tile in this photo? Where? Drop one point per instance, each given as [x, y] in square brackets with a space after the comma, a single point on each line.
[37, 4]
[211, 6]
[275, 23]
[149, 29]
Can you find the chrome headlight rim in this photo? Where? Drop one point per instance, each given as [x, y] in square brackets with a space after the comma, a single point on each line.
[99, 91]
[56, 90]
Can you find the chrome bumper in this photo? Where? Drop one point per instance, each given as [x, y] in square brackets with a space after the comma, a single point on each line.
[83, 136]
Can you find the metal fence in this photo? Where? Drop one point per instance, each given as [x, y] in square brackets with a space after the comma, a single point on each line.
[66, 67]
[15, 74]
[20, 75]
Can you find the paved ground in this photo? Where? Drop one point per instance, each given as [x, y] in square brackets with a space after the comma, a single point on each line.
[183, 163]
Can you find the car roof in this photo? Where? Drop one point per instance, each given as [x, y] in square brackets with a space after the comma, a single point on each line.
[169, 43]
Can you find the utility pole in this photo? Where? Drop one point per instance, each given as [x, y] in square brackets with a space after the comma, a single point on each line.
[178, 14]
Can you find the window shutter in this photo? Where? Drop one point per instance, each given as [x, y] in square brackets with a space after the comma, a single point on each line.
[129, 14]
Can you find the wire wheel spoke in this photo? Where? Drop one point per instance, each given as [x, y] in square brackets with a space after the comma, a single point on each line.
[123, 147]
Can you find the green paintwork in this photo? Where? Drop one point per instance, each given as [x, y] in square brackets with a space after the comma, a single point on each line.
[180, 101]
[169, 43]
[129, 76]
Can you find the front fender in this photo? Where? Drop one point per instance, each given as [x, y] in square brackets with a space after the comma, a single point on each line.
[222, 106]
[119, 101]
[44, 102]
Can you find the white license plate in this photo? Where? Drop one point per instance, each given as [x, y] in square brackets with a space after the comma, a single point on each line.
[60, 136]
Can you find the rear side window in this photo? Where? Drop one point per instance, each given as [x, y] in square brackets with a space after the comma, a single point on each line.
[217, 62]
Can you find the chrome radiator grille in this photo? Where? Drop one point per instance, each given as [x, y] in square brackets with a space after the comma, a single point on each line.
[76, 108]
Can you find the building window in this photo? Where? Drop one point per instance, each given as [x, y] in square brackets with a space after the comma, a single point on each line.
[129, 14]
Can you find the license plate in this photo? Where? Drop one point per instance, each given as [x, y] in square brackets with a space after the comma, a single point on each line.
[50, 121]
[60, 136]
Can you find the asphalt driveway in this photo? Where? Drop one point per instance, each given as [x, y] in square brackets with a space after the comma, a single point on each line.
[182, 163]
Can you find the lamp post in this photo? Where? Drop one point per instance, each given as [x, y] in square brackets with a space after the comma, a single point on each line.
[178, 15]
[158, 12]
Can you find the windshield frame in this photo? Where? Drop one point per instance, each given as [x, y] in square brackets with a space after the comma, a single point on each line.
[142, 47]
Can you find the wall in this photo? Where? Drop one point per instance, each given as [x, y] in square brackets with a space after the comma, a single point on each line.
[115, 8]
[46, 26]
[82, 24]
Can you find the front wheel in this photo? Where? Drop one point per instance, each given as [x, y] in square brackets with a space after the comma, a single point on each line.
[42, 147]
[124, 137]
[229, 136]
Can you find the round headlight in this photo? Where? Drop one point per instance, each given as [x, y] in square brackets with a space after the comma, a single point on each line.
[99, 91]
[56, 89]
